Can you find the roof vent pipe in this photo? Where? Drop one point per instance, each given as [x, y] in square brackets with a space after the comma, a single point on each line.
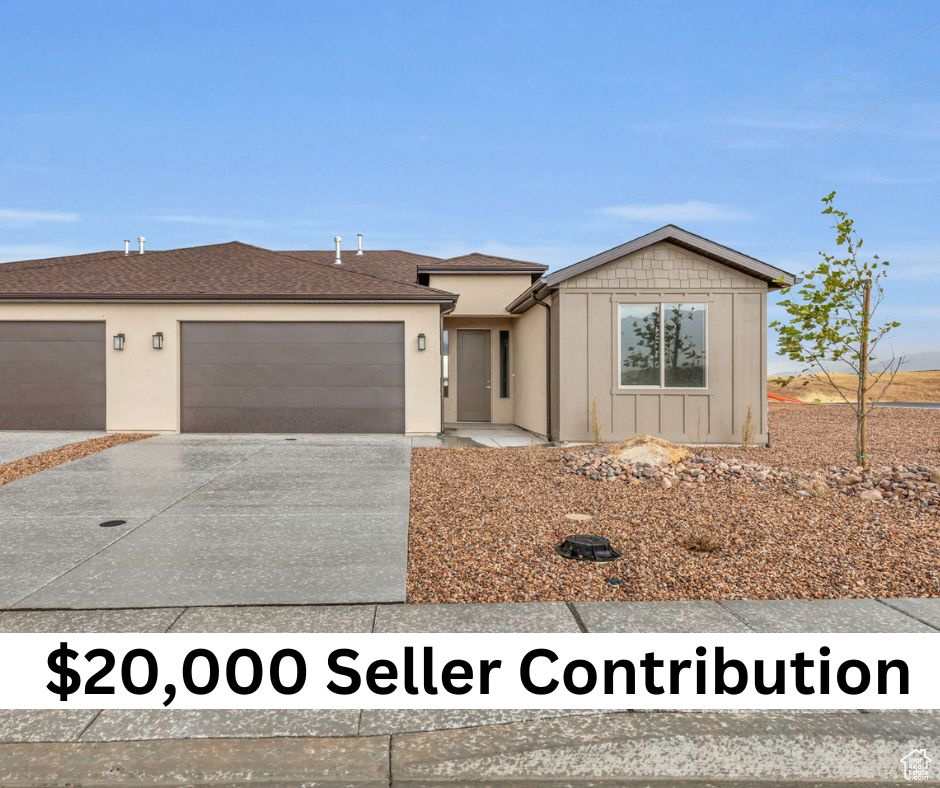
[127, 247]
[359, 239]
[140, 244]
[337, 239]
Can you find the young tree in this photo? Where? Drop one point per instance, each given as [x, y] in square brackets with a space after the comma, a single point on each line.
[833, 322]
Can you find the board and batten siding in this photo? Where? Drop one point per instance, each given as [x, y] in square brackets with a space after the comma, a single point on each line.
[736, 357]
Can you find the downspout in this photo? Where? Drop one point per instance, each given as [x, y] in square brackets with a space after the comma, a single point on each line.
[440, 344]
[548, 366]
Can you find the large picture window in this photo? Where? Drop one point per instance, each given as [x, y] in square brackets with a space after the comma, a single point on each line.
[663, 345]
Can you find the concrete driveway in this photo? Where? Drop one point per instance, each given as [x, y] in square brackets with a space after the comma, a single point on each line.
[211, 520]
[16, 445]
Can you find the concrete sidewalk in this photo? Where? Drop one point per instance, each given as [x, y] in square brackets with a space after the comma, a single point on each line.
[676, 749]
[852, 615]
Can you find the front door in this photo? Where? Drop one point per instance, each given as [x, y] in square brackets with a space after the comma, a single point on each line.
[473, 375]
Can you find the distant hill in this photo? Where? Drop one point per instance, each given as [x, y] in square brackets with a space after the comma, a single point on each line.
[908, 386]
[922, 362]
[925, 361]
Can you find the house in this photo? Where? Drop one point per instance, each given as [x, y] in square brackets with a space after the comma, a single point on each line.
[665, 334]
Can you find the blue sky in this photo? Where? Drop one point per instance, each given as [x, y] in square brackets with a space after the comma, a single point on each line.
[542, 130]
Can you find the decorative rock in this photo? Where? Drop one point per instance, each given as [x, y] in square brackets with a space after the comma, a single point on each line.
[895, 485]
[647, 450]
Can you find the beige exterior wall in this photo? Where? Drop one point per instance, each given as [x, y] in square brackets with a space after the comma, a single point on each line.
[143, 391]
[529, 390]
[501, 408]
[736, 354]
[482, 294]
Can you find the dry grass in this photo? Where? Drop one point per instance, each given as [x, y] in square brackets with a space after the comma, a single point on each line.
[748, 428]
[484, 523]
[597, 428]
[701, 541]
[26, 466]
[907, 387]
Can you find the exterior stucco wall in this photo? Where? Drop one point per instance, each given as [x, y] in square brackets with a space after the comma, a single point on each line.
[736, 354]
[143, 391]
[530, 391]
[501, 408]
[481, 294]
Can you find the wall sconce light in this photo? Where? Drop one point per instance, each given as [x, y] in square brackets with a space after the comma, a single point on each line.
[119, 342]
[422, 342]
[158, 341]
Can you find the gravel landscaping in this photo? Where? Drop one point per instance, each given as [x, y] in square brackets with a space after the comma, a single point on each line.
[11, 471]
[484, 522]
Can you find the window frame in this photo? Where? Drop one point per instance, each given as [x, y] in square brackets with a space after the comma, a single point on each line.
[618, 360]
[504, 363]
[445, 363]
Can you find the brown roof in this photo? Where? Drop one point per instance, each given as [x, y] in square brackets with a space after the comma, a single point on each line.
[387, 263]
[475, 261]
[218, 272]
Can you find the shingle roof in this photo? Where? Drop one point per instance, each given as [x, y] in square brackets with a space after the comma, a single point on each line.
[387, 263]
[475, 261]
[228, 271]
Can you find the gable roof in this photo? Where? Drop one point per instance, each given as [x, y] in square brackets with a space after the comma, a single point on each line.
[219, 272]
[481, 263]
[775, 277]
[387, 263]
[694, 243]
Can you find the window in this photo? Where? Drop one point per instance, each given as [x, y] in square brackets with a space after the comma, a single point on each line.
[445, 352]
[504, 364]
[663, 345]
[639, 345]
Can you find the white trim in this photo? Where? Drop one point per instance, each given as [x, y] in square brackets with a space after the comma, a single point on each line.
[662, 350]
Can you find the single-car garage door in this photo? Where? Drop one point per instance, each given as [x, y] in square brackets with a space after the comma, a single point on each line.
[52, 376]
[293, 377]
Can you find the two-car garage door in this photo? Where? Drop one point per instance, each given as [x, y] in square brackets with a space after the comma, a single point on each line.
[236, 377]
[293, 377]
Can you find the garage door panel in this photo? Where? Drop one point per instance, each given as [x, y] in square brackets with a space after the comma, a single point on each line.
[51, 353]
[334, 420]
[51, 331]
[32, 373]
[299, 333]
[293, 354]
[291, 396]
[44, 395]
[45, 417]
[293, 377]
[287, 375]
[52, 375]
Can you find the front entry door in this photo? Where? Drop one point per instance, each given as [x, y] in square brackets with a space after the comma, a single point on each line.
[473, 376]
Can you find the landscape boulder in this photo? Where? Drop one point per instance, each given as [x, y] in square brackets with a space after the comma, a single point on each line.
[647, 450]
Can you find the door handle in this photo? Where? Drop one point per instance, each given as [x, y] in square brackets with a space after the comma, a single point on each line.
[487, 387]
